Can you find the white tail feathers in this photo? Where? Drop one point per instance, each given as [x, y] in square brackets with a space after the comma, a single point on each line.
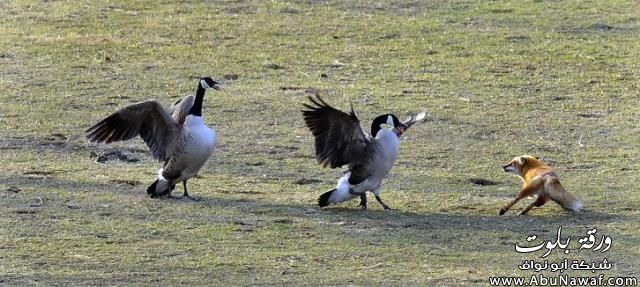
[342, 190]
[159, 187]
[162, 186]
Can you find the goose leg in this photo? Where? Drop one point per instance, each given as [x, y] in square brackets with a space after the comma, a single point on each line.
[184, 185]
[186, 194]
[170, 195]
[382, 203]
[363, 201]
[357, 193]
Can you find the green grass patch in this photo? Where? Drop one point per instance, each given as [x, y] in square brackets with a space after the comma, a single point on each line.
[557, 79]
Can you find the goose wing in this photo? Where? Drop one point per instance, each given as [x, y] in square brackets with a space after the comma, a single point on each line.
[147, 119]
[180, 109]
[339, 138]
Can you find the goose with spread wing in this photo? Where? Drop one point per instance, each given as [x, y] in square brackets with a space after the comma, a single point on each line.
[178, 137]
[340, 140]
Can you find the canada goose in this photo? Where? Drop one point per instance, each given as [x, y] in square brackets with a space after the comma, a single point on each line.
[340, 140]
[178, 137]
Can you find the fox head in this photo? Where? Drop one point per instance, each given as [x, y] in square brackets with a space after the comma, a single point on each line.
[520, 164]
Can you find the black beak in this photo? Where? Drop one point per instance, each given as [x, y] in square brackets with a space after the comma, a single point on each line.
[216, 85]
[401, 128]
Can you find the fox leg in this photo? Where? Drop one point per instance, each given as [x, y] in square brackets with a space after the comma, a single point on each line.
[530, 189]
[540, 201]
[509, 205]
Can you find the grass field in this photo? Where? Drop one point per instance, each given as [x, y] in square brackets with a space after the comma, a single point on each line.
[557, 79]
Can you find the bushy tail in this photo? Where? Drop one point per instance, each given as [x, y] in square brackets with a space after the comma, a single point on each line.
[558, 194]
[339, 194]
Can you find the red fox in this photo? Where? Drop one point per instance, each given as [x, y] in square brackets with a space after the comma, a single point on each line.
[538, 179]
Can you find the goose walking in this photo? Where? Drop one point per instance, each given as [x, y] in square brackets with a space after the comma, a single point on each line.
[340, 140]
[177, 137]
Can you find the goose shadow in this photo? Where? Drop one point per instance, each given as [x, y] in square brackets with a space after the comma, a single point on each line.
[400, 218]
[346, 213]
[443, 233]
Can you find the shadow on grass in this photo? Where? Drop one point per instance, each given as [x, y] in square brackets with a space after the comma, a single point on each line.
[429, 221]
[399, 219]
[39, 180]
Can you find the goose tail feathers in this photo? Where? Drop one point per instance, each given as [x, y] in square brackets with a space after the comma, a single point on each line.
[339, 194]
[159, 187]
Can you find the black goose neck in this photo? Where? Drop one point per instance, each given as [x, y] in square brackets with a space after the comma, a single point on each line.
[375, 126]
[196, 109]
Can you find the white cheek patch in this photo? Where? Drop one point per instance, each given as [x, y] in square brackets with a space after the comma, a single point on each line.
[390, 121]
[204, 84]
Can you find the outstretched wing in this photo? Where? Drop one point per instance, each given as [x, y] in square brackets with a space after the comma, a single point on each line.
[339, 138]
[147, 119]
[180, 109]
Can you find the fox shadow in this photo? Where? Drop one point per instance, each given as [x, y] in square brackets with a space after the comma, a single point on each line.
[401, 218]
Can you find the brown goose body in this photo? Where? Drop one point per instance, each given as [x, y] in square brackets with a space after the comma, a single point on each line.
[176, 136]
[340, 140]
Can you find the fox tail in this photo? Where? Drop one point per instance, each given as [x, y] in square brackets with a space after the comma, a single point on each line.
[558, 194]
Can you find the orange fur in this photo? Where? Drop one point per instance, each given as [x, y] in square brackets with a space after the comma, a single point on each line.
[538, 180]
